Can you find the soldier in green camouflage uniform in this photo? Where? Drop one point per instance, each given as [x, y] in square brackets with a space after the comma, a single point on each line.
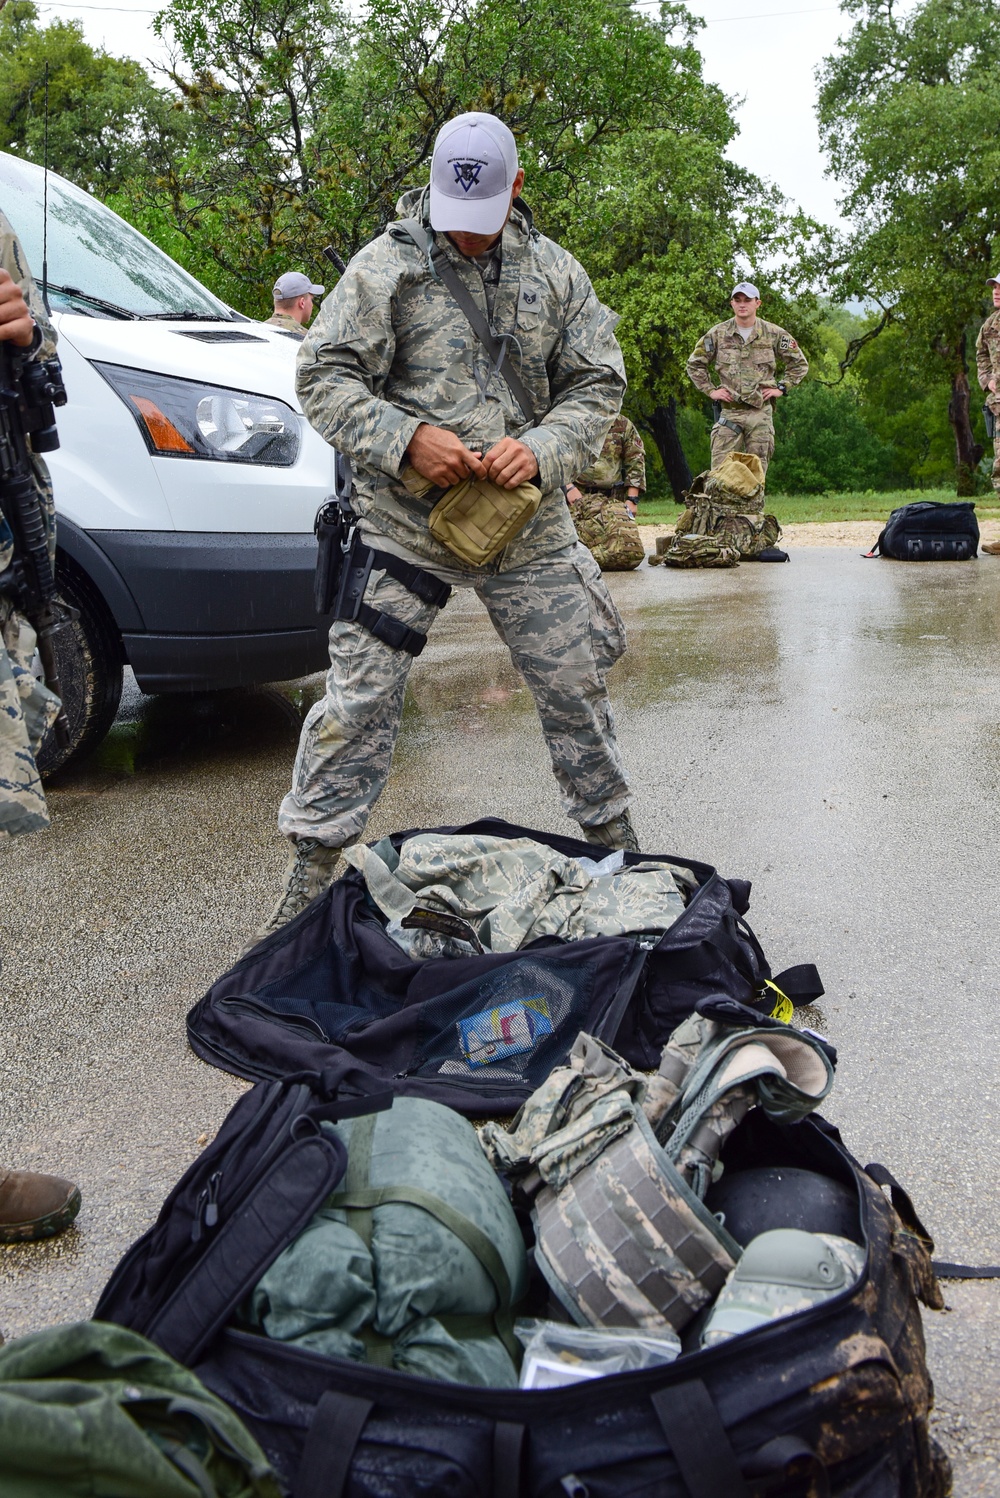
[603, 500]
[744, 352]
[988, 370]
[293, 303]
[391, 373]
[31, 1205]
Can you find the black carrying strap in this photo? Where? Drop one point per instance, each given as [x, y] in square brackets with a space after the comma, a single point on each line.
[907, 1213]
[330, 1446]
[801, 983]
[495, 345]
[699, 1442]
[508, 1459]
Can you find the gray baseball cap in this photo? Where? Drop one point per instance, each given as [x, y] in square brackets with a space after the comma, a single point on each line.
[747, 288]
[294, 283]
[472, 175]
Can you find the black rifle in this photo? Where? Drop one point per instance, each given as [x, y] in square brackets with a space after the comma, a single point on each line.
[28, 392]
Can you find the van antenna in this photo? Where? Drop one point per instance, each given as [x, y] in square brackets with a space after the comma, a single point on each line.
[45, 199]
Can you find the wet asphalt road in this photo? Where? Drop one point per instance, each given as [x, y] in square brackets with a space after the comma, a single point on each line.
[828, 729]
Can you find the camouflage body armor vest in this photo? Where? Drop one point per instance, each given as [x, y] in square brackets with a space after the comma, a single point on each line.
[616, 1164]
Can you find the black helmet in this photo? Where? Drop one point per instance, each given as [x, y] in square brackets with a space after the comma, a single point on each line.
[781, 1196]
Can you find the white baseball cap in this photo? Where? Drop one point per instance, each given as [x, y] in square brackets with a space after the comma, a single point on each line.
[748, 289]
[294, 283]
[472, 175]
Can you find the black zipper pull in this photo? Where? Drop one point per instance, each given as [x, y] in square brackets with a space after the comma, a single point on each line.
[199, 1211]
[206, 1212]
[212, 1209]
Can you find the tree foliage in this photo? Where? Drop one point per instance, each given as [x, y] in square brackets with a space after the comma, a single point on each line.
[908, 113]
[106, 118]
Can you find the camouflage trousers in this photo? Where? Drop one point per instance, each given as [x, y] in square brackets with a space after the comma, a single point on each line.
[996, 456]
[742, 430]
[27, 710]
[563, 631]
[608, 531]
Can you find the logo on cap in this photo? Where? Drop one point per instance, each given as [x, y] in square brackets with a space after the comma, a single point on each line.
[467, 173]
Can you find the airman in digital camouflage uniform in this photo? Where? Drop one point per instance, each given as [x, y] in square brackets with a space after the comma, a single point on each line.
[988, 370]
[31, 1205]
[744, 353]
[392, 374]
[603, 500]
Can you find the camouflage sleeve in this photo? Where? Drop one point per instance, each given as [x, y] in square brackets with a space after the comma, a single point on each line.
[984, 361]
[795, 362]
[345, 359]
[699, 365]
[13, 261]
[586, 383]
[633, 459]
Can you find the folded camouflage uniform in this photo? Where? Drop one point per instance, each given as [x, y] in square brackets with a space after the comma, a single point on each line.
[725, 518]
[622, 1236]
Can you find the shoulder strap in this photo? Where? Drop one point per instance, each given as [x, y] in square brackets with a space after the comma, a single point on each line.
[496, 347]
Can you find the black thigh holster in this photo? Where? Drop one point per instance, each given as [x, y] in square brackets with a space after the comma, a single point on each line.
[343, 567]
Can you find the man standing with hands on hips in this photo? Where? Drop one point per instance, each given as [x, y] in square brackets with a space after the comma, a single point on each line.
[743, 354]
[465, 367]
[988, 370]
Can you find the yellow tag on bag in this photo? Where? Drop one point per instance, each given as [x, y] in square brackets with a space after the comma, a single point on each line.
[783, 1006]
[475, 519]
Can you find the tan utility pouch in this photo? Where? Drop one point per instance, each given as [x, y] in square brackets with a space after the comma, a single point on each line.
[475, 519]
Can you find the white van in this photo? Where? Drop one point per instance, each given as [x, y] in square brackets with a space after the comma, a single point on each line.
[186, 480]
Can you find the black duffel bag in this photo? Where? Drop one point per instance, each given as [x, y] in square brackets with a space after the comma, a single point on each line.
[331, 992]
[832, 1401]
[928, 531]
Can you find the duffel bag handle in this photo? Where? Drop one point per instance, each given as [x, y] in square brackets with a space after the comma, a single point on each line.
[705, 1457]
[334, 1433]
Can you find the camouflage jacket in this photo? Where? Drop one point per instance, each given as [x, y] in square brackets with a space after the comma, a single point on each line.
[622, 461]
[745, 368]
[287, 323]
[391, 349]
[14, 263]
[27, 708]
[512, 891]
[988, 351]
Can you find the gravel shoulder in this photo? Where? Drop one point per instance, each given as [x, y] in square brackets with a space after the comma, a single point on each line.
[859, 534]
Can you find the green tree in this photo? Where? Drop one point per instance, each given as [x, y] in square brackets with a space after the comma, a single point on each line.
[823, 443]
[908, 113]
[106, 118]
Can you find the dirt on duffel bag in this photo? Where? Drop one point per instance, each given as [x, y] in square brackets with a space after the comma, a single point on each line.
[724, 521]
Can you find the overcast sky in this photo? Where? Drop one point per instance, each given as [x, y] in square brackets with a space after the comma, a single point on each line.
[764, 52]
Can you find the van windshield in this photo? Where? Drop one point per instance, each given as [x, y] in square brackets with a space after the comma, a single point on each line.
[101, 265]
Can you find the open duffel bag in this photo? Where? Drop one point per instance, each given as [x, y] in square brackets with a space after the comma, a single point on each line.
[833, 1399]
[334, 992]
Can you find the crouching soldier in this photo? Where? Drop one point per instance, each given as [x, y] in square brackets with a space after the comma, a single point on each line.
[603, 500]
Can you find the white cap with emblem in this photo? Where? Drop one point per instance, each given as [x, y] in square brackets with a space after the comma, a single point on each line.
[472, 175]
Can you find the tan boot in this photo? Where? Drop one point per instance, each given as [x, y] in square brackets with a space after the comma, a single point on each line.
[993, 547]
[618, 833]
[311, 869]
[35, 1206]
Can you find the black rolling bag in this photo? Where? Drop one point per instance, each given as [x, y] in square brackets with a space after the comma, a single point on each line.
[830, 1401]
[331, 992]
[930, 532]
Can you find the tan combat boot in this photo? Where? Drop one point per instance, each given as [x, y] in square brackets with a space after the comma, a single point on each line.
[618, 833]
[310, 870]
[993, 547]
[35, 1206]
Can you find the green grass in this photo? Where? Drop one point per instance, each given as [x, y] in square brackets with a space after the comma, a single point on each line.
[792, 509]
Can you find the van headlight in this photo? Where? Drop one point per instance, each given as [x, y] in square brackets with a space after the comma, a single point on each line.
[187, 419]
